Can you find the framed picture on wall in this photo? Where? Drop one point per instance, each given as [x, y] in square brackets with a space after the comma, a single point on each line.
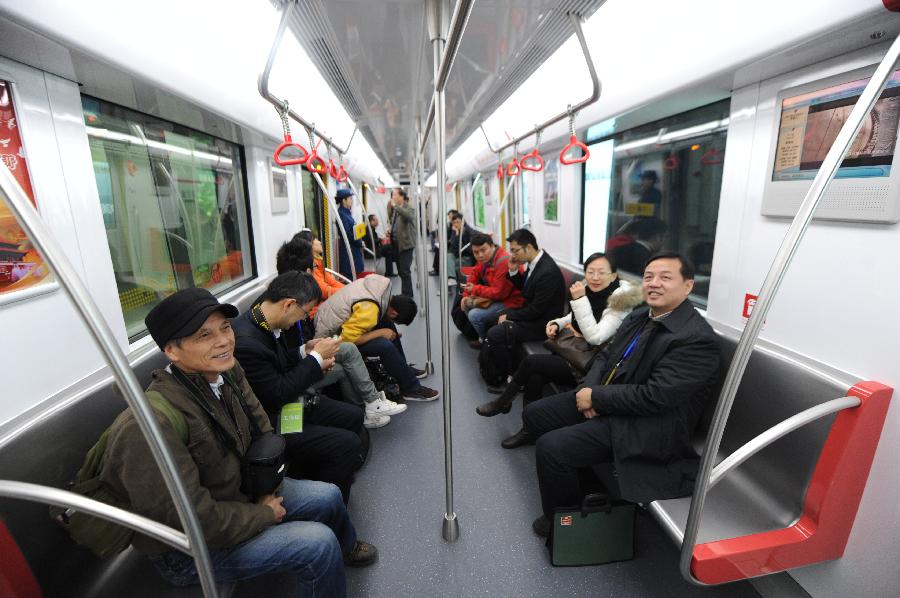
[21, 266]
[478, 194]
[280, 203]
[551, 192]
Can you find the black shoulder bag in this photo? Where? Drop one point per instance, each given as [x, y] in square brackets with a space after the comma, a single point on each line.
[262, 466]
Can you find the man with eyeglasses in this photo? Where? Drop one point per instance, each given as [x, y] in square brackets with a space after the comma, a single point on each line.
[329, 448]
[544, 291]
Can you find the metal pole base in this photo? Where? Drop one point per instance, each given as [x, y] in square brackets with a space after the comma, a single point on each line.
[429, 367]
[450, 528]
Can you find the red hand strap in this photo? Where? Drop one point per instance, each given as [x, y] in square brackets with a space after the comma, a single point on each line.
[513, 168]
[532, 161]
[316, 163]
[574, 143]
[288, 142]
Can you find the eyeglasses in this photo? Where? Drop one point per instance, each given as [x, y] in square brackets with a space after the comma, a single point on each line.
[517, 249]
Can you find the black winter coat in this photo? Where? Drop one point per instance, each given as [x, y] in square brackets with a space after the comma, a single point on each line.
[655, 400]
[545, 297]
[275, 372]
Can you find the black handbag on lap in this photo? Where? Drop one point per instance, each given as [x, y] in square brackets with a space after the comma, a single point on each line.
[574, 349]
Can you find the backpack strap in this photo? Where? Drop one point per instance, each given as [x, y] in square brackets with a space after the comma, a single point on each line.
[162, 405]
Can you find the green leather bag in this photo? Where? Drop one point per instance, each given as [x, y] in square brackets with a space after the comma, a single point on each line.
[600, 531]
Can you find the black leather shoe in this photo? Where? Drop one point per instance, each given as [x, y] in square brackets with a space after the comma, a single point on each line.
[520, 438]
[495, 407]
[496, 390]
[541, 526]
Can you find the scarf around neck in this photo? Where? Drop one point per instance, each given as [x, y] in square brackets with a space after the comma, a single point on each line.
[598, 301]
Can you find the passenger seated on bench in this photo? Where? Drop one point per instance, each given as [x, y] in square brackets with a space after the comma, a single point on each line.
[328, 283]
[329, 448]
[304, 528]
[364, 313]
[461, 238]
[349, 371]
[639, 403]
[544, 291]
[488, 289]
[598, 309]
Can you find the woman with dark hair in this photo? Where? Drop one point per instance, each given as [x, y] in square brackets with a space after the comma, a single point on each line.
[598, 308]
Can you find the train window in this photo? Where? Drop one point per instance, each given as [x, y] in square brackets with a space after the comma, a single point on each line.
[174, 207]
[312, 204]
[657, 187]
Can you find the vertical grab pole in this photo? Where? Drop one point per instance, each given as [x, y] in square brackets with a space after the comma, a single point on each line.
[767, 294]
[337, 217]
[423, 227]
[90, 314]
[437, 21]
[420, 279]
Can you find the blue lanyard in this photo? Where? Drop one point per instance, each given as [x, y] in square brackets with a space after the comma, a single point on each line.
[300, 330]
[628, 351]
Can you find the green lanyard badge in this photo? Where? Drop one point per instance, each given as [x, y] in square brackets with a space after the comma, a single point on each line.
[292, 418]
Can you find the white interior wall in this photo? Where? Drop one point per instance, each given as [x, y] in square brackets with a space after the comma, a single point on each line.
[52, 127]
[842, 279]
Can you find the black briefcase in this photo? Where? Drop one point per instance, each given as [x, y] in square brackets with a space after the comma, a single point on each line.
[599, 531]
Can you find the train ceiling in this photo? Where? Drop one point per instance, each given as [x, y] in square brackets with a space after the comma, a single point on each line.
[377, 59]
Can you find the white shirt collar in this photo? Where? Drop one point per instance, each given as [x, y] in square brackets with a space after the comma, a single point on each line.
[534, 261]
[217, 386]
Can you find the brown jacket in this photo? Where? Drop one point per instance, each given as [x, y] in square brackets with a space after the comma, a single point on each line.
[210, 470]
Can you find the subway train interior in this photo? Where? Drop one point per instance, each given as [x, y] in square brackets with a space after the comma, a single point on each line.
[738, 157]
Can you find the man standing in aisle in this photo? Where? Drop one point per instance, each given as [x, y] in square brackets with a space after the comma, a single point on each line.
[403, 233]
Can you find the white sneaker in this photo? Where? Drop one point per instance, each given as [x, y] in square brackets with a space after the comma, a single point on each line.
[384, 406]
[374, 420]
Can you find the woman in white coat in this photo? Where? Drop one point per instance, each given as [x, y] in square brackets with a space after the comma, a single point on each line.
[598, 307]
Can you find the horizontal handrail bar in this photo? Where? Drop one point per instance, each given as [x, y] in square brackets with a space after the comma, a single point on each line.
[595, 92]
[280, 104]
[83, 504]
[339, 276]
[795, 422]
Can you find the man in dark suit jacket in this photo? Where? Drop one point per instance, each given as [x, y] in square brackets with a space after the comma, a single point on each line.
[640, 402]
[329, 448]
[544, 289]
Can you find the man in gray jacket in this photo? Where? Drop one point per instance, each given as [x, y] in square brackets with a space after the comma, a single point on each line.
[403, 234]
[303, 527]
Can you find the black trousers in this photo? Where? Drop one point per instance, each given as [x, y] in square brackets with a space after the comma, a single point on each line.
[567, 442]
[329, 448]
[505, 339]
[404, 267]
[536, 371]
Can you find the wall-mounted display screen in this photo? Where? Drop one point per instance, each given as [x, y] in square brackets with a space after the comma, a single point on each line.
[810, 123]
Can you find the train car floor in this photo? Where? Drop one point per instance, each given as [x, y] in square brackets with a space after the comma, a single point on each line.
[398, 504]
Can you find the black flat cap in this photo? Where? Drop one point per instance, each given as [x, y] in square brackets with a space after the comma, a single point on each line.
[182, 314]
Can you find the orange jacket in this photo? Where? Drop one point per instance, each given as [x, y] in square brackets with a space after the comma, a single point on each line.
[326, 281]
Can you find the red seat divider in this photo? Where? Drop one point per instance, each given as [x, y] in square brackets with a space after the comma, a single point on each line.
[829, 507]
[16, 578]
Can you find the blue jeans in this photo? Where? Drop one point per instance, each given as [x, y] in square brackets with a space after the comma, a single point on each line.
[311, 540]
[483, 318]
[392, 357]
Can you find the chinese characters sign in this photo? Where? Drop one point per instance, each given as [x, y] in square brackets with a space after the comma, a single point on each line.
[20, 264]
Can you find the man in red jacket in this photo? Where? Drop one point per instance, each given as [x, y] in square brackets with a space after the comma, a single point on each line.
[488, 289]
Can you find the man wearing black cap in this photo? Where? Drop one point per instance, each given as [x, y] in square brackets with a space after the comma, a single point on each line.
[344, 200]
[303, 527]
